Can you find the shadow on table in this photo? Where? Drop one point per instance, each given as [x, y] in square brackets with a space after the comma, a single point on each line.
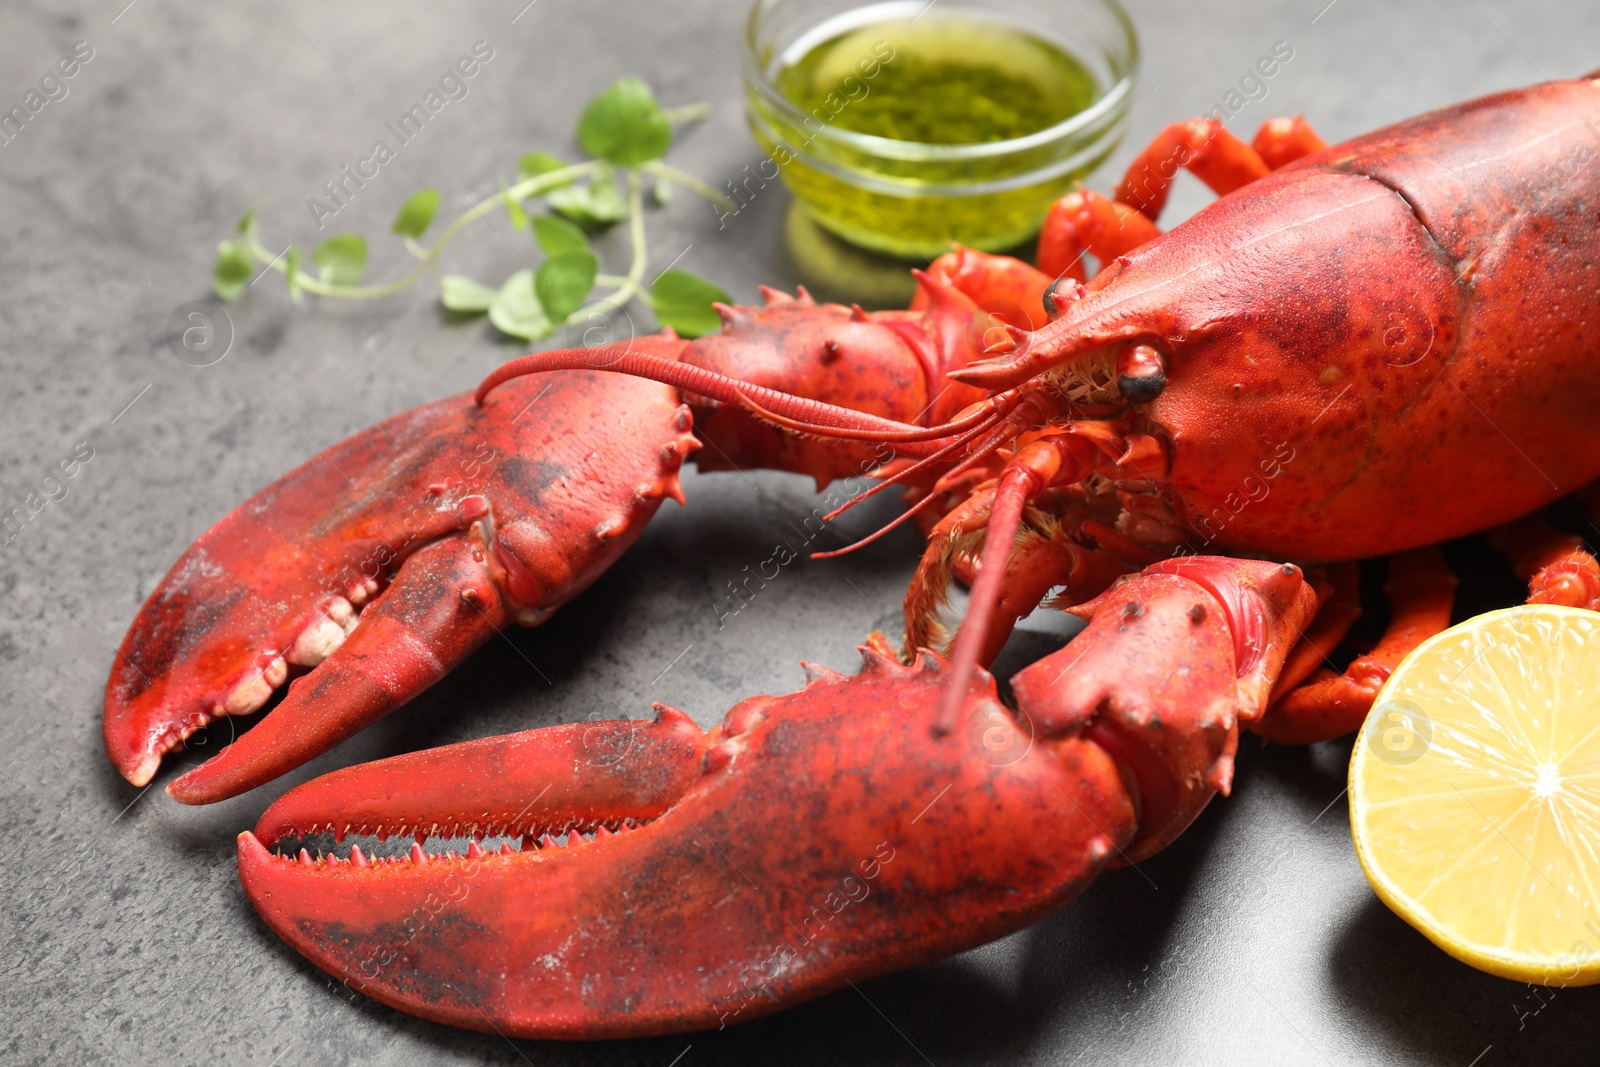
[1444, 1011]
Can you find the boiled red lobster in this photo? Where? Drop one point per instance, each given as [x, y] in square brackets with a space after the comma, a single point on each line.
[1356, 351]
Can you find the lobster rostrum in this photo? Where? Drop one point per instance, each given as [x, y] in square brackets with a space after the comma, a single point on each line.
[1358, 350]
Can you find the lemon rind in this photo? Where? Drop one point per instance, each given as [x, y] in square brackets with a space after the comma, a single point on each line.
[1516, 967]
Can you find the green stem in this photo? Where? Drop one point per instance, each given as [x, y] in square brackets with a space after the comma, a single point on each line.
[686, 113]
[632, 284]
[524, 189]
[689, 182]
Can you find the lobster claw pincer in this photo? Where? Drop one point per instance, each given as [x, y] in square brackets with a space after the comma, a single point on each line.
[385, 561]
[809, 841]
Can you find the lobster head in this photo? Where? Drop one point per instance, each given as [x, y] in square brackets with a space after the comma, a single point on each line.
[1263, 339]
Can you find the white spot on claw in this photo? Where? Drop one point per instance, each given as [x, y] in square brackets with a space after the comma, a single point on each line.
[332, 622]
[250, 693]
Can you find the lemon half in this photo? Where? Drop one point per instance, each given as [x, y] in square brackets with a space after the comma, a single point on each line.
[1475, 793]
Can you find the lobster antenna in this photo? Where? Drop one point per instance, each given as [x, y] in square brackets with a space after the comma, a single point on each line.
[1005, 517]
[908, 473]
[997, 405]
[894, 524]
[985, 447]
[622, 360]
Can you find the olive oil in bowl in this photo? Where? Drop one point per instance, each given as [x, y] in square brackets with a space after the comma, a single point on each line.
[902, 127]
[950, 79]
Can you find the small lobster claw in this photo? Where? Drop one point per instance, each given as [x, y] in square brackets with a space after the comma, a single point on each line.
[809, 841]
[385, 561]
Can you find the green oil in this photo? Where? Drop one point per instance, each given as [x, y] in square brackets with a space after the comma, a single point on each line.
[944, 89]
[951, 79]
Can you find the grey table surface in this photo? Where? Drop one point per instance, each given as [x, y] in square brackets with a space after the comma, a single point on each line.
[125, 934]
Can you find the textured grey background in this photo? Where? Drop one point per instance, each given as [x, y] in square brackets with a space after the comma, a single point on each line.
[123, 931]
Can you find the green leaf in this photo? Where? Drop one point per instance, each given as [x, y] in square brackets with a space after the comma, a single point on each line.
[563, 280]
[516, 309]
[519, 217]
[462, 294]
[661, 191]
[556, 236]
[596, 204]
[416, 214]
[247, 223]
[625, 125]
[683, 301]
[231, 273]
[342, 259]
[533, 164]
[291, 272]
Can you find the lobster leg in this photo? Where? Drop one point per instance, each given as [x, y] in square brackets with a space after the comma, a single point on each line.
[1205, 147]
[1051, 466]
[809, 841]
[533, 508]
[1004, 288]
[1043, 557]
[1558, 569]
[824, 366]
[1281, 141]
[1339, 610]
[1044, 464]
[1086, 222]
[1421, 592]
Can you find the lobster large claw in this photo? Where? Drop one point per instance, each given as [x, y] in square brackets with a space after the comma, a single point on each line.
[809, 841]
[385, 561]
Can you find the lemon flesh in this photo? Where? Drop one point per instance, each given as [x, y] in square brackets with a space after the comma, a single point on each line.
[1475, 793]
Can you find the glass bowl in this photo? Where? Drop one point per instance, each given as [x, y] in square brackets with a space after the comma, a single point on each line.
[910, 199]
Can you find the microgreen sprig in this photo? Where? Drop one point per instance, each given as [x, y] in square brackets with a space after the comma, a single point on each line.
[627, 132]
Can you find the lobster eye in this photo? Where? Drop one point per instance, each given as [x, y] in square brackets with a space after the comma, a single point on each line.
[1059, 293]
[1141, 373]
